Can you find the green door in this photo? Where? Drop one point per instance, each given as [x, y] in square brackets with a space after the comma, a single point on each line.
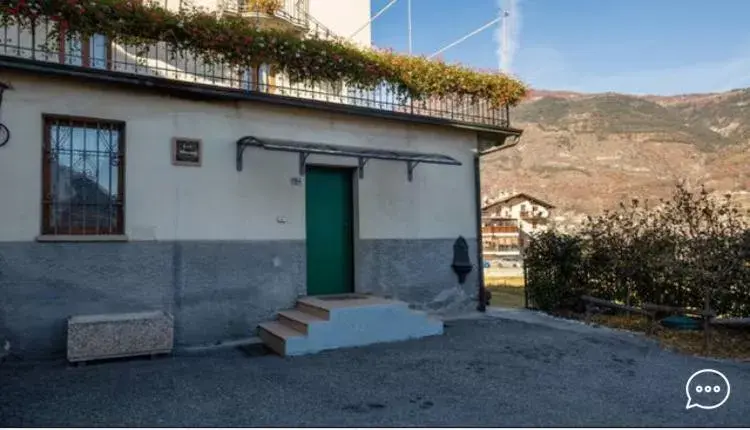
[329, 217]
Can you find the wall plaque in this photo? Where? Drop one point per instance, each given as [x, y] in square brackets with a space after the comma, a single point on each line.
[186, 152]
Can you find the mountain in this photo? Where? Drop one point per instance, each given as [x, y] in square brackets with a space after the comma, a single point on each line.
[587, 152]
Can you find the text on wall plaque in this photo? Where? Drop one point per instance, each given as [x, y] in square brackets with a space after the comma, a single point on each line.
[186, 152]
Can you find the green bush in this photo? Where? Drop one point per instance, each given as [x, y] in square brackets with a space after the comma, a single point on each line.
[691, 251]
[555, 281]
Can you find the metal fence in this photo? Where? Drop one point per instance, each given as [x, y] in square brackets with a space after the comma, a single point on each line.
[99, 53]
[294, 11]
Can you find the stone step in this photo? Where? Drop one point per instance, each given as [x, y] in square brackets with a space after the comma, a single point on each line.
[329, 322]
[298, 320]
[313, 309]
[276, 336]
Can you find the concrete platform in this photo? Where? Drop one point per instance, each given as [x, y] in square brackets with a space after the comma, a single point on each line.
[332, 322]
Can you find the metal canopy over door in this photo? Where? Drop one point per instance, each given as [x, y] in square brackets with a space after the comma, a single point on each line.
[305, 149]
[330, 230]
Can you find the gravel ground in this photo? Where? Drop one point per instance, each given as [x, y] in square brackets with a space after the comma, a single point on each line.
[493, 371]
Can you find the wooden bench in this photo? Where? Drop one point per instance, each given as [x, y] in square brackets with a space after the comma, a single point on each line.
[94, 337]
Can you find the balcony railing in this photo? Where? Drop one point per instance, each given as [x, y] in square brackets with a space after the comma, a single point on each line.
[501, 248]
[533, 216]
[500, 229]
[295, 12]
[97, 53]
[292, 11]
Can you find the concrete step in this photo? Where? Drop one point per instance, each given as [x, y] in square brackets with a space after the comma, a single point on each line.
[426, 316]
[299, 320]
[331, 322]
[277, 336]
[343, 301]
[313, 309]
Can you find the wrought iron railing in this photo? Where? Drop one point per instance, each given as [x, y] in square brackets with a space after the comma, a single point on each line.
[98, 53]
[500, 229]
[533, 216]
[510, 249]
[293, 11]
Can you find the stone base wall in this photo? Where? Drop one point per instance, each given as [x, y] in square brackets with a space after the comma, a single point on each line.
[418, 272]
[216, 291]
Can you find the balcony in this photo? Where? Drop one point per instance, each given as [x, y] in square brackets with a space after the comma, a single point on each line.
[503, 252]
[500, 229]
[535, 216]
[277, 14]
[160, 66]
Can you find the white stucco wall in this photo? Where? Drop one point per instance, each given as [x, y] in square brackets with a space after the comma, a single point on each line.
[528, 206]
[344, 17]
[215, 202]
[513, 209]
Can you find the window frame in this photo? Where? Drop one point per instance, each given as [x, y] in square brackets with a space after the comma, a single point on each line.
[254, 73]
[46, 227]
[86, 57]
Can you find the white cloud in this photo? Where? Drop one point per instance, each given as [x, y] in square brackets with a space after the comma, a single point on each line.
[508, 33]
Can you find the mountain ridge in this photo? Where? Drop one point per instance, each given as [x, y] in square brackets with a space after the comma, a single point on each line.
[587, 152]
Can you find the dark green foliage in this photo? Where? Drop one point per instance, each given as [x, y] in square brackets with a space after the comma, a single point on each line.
[691, 251]
[555, 281]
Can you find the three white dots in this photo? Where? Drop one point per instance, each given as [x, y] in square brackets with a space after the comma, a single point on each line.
[708, 389]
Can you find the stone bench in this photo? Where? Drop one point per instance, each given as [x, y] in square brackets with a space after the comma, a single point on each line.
[95, 337]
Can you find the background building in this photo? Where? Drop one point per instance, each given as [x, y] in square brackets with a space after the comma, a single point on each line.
[508, 223]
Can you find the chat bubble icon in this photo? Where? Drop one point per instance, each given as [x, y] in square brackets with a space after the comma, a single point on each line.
[707, 389]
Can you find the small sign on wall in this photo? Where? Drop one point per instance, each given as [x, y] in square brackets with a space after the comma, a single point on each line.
[186, 152]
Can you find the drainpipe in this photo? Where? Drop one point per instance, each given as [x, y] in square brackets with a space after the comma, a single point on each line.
[482, 306]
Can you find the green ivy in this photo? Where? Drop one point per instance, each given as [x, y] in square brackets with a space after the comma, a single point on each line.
[240, 42]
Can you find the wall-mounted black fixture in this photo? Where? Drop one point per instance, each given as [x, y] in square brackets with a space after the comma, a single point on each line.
[461, 261]
[4, 132]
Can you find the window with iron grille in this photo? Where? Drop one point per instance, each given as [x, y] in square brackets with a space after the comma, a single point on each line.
[83, 176]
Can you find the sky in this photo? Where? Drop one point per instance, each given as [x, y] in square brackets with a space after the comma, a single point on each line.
[661, 47]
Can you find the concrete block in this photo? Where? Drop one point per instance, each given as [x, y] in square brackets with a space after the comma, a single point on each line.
[92, 337]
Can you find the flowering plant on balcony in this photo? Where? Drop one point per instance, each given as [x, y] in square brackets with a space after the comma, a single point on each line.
[240, 42]
[265, 6]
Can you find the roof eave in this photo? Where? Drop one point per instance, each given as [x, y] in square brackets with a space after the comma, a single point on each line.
[193, 90]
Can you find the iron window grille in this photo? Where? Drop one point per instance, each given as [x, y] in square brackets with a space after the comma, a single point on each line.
[83, 172]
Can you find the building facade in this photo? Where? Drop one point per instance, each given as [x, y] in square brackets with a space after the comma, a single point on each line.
[127, 190]
[508, 223]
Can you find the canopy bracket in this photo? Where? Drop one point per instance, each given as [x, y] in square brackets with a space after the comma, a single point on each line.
[362, 161]
[411, 165]
[241, 145]
[303, 162]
